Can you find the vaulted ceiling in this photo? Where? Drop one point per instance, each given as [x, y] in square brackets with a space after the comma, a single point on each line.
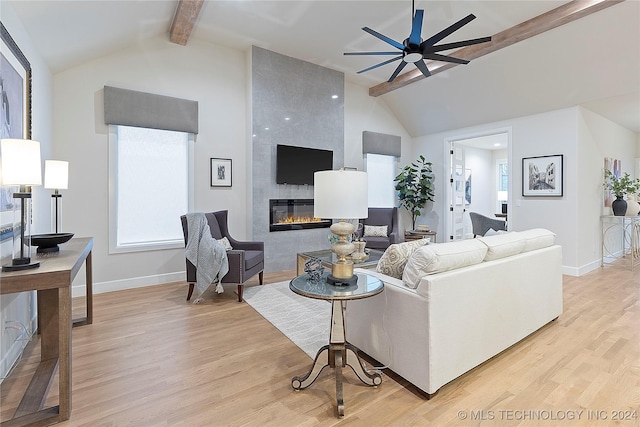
[593, 61]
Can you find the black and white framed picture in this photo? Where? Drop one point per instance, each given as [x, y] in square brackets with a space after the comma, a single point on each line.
[220, 172]
[542, 176]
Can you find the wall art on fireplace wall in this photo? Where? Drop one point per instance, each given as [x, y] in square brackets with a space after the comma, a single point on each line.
[15, 103]
[220, 172]
[542, 176]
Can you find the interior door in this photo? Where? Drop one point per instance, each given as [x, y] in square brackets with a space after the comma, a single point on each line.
[458, 201]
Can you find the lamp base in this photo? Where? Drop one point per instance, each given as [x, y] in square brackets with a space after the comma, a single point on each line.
[18, 264]
[337, 281]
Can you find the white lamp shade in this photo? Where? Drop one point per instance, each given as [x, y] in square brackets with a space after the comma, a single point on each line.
[503, 195]
[340, 194]
[56, 174]
[20, 162]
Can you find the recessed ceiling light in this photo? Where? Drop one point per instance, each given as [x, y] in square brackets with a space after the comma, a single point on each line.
[334, 96]
[287, 118]
[266, 128]
[497, 144]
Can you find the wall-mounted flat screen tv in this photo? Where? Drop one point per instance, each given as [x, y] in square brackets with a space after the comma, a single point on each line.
[296, 165]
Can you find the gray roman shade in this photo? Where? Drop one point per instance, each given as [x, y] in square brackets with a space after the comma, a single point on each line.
[141, 109]
[380, 143]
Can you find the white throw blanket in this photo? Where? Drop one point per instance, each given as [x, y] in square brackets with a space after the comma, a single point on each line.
[206, 253]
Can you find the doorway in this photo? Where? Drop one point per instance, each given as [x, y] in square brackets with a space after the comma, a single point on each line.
[479, 179]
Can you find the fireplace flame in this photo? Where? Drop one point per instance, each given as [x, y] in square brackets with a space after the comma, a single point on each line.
[298, 220]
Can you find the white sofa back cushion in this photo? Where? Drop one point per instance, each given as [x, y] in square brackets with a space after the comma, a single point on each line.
[537, 238]
[395, 257]
[432, 259]
[502, 245]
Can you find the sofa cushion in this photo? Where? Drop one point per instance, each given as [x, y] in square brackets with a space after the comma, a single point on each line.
[440, 257]
[502, 245]
[375, 230]
[395, 258]
[537, 238]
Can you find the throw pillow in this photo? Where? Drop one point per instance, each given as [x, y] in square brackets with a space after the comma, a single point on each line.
[225, 242]
[395, 258]
[375, 231]
[432, 259]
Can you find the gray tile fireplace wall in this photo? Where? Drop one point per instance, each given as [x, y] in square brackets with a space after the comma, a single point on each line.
[293, 102]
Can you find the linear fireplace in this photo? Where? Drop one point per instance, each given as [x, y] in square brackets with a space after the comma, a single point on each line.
[293, 214]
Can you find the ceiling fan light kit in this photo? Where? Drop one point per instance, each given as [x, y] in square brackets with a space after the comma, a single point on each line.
[414, 50]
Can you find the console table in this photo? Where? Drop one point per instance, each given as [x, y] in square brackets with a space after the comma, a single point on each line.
[338, 353]
[52, 280]
[620, 238]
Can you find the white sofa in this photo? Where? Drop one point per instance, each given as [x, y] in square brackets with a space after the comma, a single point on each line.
[448, 317]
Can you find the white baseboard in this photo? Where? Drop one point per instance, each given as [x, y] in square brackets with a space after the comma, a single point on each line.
[134, 282]
[582, 270]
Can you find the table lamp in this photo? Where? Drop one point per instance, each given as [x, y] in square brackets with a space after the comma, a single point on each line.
[341, 195]
[56, 177]
[21, 167]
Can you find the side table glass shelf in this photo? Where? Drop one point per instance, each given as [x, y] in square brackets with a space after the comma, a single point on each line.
[338, 353]
[620, 239]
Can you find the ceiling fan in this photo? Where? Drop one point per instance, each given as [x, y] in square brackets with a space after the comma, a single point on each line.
[415, 50]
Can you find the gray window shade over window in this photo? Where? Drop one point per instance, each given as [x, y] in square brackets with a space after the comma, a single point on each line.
[140, 109]
[380, 143]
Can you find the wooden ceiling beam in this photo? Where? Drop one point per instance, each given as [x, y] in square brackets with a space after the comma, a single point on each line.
[184, 20]
[564, 14]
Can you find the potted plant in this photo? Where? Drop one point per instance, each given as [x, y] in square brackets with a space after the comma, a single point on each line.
[415, 187]
[619, 186]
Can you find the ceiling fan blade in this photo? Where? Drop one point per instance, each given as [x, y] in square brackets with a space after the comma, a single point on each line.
[444, 58]
[372, 53]
[416, 28]
[384, 38]
[397, 71]
[447, 31]
[423, 67]
[456, 45]
[379, 65]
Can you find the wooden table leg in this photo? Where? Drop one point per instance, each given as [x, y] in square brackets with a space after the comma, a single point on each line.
[89, 280]
[64, 368]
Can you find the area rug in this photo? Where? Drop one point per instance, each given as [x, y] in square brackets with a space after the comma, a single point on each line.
[305, 321]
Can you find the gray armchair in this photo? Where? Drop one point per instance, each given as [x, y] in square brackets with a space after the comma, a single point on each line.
[245, 260]
[382, 216]
[481, 224]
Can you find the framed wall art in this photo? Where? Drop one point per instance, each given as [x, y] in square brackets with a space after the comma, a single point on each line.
[542, 176]
[220, 172]
[15, 110]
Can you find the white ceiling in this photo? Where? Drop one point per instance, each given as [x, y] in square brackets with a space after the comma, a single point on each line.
[594, 61]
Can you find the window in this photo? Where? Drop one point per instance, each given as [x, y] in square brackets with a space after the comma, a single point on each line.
[150, 187]
[382, 170]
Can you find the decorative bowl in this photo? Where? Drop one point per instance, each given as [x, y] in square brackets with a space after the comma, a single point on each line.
[49, 242]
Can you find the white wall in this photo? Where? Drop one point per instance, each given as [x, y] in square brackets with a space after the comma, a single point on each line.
[16, 309]
[482, 180]
[598, 138]
[214, 76]
[573, 216]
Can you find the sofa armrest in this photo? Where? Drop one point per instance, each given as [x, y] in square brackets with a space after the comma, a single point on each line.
[246, 246]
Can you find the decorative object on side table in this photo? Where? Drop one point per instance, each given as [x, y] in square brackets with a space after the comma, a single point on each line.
[620, 186]
[341, 195]
[314, 269]
[415, 187]
[21, 167]
[359, 253]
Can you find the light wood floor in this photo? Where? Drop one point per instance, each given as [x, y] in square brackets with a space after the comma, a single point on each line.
[152, 359]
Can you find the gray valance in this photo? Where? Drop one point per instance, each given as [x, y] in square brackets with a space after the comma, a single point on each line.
[141, 109]
[380, 143]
